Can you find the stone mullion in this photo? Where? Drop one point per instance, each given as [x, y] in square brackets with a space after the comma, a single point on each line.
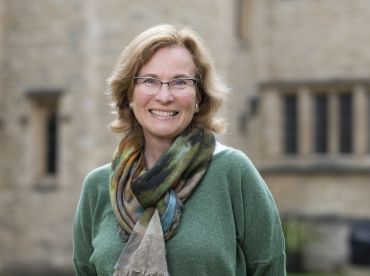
[272, 123]
[305, 121]
[360, 120]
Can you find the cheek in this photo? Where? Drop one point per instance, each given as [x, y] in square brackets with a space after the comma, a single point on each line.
[139, 102]
[140, 99]
[187, 103]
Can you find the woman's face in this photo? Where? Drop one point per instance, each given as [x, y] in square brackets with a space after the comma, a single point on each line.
[165, 112]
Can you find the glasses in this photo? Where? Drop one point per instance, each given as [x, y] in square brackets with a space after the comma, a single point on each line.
[177, 86]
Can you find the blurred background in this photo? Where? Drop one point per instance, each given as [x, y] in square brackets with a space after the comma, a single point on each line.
[299, 72]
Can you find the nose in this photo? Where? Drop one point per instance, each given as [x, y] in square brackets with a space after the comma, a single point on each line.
[164, 94]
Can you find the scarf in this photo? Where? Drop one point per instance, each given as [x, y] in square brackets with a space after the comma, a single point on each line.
[148, 203]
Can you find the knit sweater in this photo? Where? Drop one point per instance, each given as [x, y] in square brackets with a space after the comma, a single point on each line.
[230, 225]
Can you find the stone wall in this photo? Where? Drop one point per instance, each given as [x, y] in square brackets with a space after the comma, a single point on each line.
[311, 40]
[305, 47]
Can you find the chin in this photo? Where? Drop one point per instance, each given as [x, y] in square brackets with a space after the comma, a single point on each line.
[167, 134]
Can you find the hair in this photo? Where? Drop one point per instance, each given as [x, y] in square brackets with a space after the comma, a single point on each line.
[210, 89]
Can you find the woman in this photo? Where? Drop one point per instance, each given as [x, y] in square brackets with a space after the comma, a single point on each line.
[173, 201]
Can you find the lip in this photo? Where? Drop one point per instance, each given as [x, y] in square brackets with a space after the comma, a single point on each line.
[160, 113]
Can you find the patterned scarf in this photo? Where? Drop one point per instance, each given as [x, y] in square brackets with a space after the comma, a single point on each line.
[148, 203]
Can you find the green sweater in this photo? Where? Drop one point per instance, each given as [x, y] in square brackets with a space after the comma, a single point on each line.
[230, 225]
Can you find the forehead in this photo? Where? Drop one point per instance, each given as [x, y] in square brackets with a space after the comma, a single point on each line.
[169, 61]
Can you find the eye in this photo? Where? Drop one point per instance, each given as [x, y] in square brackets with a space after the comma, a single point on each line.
[179, 83]
[150, 81]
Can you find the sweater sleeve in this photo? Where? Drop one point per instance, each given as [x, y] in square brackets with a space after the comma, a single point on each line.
[82, 230]
[262, 239]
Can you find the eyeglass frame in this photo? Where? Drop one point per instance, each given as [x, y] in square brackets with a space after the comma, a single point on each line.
[166, 82]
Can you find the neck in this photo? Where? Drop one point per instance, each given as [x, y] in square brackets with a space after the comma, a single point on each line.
[153, 149]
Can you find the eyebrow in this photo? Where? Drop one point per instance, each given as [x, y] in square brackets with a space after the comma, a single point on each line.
[183, 76]
[150, 76]
[179, 76]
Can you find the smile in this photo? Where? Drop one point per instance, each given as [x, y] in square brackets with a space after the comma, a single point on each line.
[163, 113]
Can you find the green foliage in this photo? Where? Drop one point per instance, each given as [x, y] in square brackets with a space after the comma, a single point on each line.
[298, 233]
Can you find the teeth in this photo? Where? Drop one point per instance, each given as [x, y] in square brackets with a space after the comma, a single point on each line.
[163, 113]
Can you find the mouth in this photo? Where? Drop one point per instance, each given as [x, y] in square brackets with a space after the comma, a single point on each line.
[164, 114]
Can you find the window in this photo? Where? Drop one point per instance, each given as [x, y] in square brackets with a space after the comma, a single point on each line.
[290, 119]
[51, 143]
[43, 138]
[321, 123]
[345, 123]
[316, 119]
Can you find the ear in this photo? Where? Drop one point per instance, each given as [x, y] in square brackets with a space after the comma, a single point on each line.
[198, 98]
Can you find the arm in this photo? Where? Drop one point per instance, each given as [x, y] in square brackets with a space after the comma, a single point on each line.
[82, 232]
[262, 239]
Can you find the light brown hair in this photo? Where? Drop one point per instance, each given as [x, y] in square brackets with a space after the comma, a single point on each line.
[210, 89]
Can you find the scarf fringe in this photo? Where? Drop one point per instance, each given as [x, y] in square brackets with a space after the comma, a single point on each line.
[135, 272]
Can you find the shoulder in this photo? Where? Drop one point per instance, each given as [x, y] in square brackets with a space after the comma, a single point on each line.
[234, 166]
[99, 172]
[231, 158]
[97, 178]
[95, 188]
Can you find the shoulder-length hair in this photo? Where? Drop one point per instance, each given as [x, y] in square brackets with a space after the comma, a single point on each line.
[210, 89]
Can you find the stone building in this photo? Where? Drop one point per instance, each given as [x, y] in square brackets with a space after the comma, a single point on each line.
[312, 83]
[299, 72]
